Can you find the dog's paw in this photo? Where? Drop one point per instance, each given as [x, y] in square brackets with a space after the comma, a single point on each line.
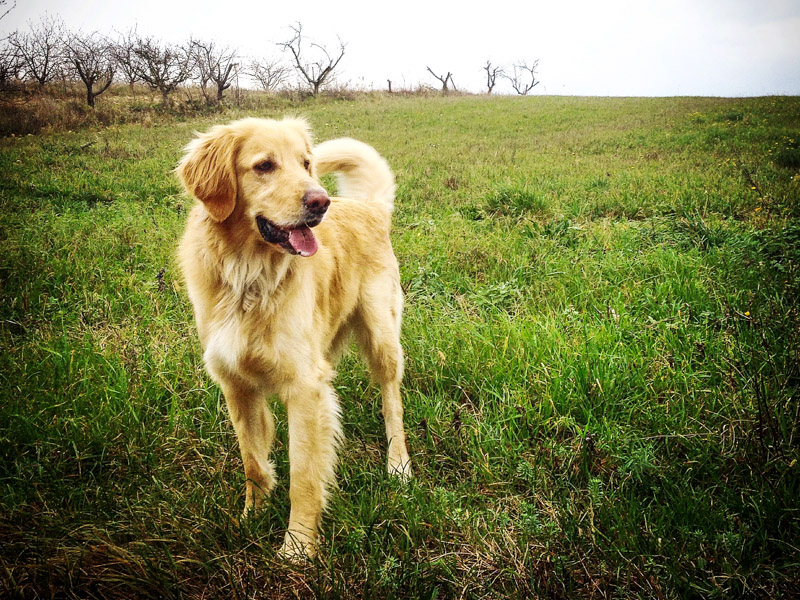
[298, 548]
[401, 470]
[250, 510]
[256, 495]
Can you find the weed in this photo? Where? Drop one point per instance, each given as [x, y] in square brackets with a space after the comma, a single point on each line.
[516, 201]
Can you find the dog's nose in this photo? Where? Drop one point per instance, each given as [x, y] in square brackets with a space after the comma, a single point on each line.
[316, 201]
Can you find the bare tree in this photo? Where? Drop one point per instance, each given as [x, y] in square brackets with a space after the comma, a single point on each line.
[269, 74]
[519, 80]
[90, 56]
[215, 65]
[318, 70]
[492, 73]
[40, 49]
[126, 58]
[444, 79]
[10, 64]
[162, 67]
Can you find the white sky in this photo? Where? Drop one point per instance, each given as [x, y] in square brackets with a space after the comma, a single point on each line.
[584, 47]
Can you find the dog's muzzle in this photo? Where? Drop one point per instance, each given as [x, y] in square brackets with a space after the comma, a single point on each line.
[298, 239]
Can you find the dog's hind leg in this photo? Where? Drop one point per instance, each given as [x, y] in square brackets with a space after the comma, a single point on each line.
[398, 461]
[378, 335]
[255, 430]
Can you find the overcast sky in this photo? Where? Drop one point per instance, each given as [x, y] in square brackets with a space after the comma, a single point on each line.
[584, 47]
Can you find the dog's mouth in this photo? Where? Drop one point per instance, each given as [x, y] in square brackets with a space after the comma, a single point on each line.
[298, 239]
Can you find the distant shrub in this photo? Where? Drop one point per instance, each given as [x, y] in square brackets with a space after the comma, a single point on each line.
[32, 114]
[26, 109]
[25, 112]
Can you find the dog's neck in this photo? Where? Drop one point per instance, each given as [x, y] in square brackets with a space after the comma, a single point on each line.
[254, 275]
[249, 270]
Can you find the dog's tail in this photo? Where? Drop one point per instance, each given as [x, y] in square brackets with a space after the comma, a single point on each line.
[362, 173]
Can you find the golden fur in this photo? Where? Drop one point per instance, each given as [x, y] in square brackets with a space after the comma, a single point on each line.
[276, 296]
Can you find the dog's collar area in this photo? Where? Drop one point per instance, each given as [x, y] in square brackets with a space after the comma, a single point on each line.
[295, 240]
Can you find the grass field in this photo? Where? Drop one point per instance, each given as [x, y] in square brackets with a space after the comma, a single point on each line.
[603, 363]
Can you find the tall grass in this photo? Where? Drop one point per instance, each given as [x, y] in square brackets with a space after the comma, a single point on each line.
[601, 389]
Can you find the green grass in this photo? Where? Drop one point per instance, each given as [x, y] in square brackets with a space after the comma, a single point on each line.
[601, 391]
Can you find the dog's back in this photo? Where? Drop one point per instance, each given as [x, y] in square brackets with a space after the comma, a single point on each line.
[362, 173]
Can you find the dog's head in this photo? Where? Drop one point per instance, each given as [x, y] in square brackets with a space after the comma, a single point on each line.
[259, 172]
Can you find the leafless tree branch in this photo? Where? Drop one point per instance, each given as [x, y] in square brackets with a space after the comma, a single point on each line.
[492, 73]
[162, 67]
[215, 65]
[40, 49]
[10, 64]
[519, 80]
[446, 80]
[9, 9]
[92, 59]
[269, 74]
[125, 57]
[317, 71]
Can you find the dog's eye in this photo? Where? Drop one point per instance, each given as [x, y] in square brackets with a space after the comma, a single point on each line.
[265, 166]
[307, 165]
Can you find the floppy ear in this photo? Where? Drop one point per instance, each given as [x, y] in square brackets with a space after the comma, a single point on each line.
[208, 173]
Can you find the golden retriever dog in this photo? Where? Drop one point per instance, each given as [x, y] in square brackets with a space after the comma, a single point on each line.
[281, 276]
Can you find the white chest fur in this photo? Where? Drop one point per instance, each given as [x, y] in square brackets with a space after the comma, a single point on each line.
[255, 323]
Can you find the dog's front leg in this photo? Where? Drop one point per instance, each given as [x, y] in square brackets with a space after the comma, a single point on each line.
[255, 431]
[314, 430]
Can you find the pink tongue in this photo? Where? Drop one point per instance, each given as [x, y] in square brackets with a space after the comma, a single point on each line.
[303, 241]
